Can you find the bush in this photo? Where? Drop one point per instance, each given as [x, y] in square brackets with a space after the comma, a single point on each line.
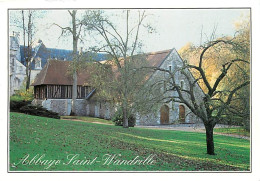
[118, 119]
[38, 111]
[23, 94]
[15, 106]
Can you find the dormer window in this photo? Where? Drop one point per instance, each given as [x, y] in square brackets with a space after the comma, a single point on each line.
[38, 63]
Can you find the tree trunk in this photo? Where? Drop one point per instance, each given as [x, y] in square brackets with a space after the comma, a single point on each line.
[75, 48]
[209, 139]
[28, 80]
[125, 118]
[28, 74]
[74, 94]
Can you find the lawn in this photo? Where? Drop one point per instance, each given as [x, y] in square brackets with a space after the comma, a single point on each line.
[65, 145]
[88, 119]
[234, 131]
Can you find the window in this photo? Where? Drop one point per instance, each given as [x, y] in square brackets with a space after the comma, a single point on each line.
[170, 68]
[182, 84]
[38, 63]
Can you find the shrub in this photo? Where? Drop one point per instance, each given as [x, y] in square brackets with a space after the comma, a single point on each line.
[118, 119]
[15, 105]
[38, 111]
[23, 94]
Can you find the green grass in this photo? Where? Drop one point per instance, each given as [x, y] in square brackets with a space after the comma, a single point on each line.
[234, 131]
[173, 150]
[88, 119]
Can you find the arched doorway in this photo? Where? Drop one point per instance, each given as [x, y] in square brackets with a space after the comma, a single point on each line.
[164, 114]
[182, 113]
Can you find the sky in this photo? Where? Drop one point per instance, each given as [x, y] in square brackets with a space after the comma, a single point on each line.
[173, 27]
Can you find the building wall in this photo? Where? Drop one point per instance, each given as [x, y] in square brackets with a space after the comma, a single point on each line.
[153, 118]
[17, 69]
[105, 110]
[83, 107]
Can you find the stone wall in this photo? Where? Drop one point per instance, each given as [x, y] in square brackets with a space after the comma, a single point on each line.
[17, 69]
[106, 110]
[83, 107]
[174, 62]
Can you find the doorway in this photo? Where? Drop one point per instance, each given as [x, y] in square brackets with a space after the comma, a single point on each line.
[164, 114]
[182, 113]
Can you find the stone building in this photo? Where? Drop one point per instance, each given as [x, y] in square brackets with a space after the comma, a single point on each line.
[17, 69]
[170, 112]
[53, 90]
[40, 55]
[53, 87]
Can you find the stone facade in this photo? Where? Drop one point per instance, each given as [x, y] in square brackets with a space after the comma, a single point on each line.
[172, 62]
[84, 107]
[166, 113]
[17, 69]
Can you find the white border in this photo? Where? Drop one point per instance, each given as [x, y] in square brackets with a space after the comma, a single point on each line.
[254, 4]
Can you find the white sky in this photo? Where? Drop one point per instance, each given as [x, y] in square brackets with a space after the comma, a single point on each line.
[174, 27]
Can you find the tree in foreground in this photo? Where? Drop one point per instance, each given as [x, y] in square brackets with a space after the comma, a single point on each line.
[75, 31]
[119, 79]
[224, 88]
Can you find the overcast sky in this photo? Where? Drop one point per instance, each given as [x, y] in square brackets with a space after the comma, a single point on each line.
[174, 27]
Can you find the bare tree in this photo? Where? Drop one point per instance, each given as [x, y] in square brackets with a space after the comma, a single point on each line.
[26, 22]
[75, 31]
[215, 101]
[28, 33]
[121, 46]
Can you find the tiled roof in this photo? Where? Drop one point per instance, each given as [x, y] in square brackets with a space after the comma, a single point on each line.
[56, 71]
[52, 53]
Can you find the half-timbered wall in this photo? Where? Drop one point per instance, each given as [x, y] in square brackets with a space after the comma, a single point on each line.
[59, 92]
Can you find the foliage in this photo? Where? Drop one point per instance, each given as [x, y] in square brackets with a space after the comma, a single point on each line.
[222, 69]
[238, 113]
[21, 98]
[118, 118]
[175, 150]
[16, 104]
[38, 111]
[23, 94]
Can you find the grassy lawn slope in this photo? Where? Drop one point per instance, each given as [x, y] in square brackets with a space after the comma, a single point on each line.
[172, 150]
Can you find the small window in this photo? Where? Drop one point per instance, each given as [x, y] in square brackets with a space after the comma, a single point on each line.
[182, 84]
[170, 68]
[38, 63]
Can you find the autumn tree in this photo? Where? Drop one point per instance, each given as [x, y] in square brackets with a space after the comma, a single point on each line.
[213, 59]
[121, 46]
